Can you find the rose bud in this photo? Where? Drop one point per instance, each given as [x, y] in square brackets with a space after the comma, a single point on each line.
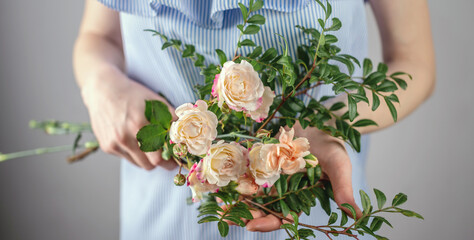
[179, 179]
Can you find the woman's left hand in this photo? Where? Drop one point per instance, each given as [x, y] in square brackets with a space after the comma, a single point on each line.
[335, 163]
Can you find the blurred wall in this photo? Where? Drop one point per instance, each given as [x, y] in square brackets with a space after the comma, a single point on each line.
[46, 198]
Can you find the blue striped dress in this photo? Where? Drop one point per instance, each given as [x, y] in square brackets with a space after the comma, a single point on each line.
[151, 206]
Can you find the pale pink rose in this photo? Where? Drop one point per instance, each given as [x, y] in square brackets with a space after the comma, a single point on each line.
[239, 86]
[246, 185]
[262, 112]
[195, 127]
[197, 183]
[224, 162]
[264, 166]
[292, 152]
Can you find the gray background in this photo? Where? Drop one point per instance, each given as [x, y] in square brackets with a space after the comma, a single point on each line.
[427, 156]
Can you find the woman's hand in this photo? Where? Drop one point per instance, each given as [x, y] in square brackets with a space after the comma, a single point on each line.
[334, 162]
[116, 107]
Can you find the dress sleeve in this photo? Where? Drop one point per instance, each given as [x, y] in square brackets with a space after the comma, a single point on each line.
[134, 7]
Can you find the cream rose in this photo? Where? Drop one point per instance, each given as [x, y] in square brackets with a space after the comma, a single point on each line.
[239, 86]
[197, 184]
[246, 185]
[195, 127]
[224, 162]
[264, 167]
[262, 112]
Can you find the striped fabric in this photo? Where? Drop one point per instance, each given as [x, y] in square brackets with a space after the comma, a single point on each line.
[151, 206]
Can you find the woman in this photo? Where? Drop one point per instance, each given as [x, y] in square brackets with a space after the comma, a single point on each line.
[118, 66]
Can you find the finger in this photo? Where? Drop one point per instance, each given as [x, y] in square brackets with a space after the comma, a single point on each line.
[131, 146]
[264, 224]
[339, 171]
[154, 157]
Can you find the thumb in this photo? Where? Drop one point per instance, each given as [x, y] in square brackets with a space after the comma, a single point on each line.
[339, 171]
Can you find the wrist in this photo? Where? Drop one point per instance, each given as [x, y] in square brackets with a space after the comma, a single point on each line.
[100, 81]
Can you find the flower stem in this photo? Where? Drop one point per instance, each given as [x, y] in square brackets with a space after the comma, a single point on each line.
[40, 151]
[235, 135]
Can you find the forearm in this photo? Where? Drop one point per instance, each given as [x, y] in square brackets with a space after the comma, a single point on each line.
[418, 90]
[407, 47]
[95, 55]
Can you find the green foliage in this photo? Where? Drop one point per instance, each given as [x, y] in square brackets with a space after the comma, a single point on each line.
[318, 62]
[153, 136]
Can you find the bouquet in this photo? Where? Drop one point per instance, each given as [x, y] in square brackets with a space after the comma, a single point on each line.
[238, 141]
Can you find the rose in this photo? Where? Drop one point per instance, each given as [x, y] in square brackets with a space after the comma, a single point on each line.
[264, 168]
[267, 161]
[262, 112]
[224, 162]
[291, 152]
[239, 86]
[197, 184]
[195, 127]
[246, 185]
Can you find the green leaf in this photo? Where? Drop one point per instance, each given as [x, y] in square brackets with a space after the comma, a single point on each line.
[244, 11]
[295, 218]
[376, 224]
[401, 73]
[364, 123]
[367, 66]
[222, 56]
[208, 219]
[268, 55]
[402, 83]
[354, 138]
[352, 108]
[151, 137]
[351, 209]
[295, 181]
[392, 108]
[323, 199]
[251, 29]
[235, 219]
[375, 101]
[311, 175]
[374, 78]
[256, 5]
[188, 51]
[247, 42]
[223, 228]
[281, 185]
[166, 45]
[386, 86]
[381, 199]
[409, 213]
[256, 52]
[365, 201]
[257, 19]
[344, 218]
[382, 67]
[293, 202]
[336, 25]
[399, 199]
[284, 208]
[199, 61]
[332, 218]
[347, 62]
[328, 10]
[156, 112]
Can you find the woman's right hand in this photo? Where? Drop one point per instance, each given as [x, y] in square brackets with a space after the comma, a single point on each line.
[116, 107]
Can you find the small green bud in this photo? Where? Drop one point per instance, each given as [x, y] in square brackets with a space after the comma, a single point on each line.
[91, 144]
[179, 179]
[33, 124]
[180, 150]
